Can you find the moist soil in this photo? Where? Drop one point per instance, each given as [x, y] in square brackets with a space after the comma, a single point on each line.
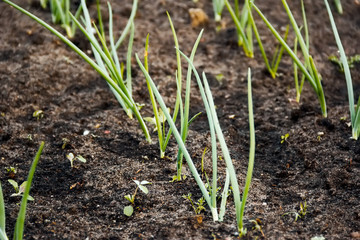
[318, 163]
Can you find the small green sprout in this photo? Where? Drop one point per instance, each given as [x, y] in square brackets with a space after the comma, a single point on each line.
[198, 206]
[128, 210]
[257, 226]
[38, 114]
[65, 142]
[72, 158]
[284, 138]
[220, 78]
[11, 171]
[19, 190]
[29, 137]
[299, 214]
[351, 61]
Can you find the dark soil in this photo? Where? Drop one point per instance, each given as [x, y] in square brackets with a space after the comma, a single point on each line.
[318, 163]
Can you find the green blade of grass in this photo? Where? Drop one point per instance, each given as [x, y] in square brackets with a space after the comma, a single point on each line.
[2, 214]
[213, 137]
[128, 59]
[338, 6]
[224, 196]
[252, 149]
[258, 39]
[302, 43]
[128, 25]
[178, 82]
[354, 112]
[153, 101]
[246, 45]
[19, 226]
[185, 121]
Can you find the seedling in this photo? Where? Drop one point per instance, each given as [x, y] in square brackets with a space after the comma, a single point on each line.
[72, 158]
[351, 61]
[30, 137]
[308, 68]
[20, 221]
[198, 206]
[354, 111]
[284, 138]
[19, 190]
[128, 210]
[60, 11]
[65, 142]
[299, 214]
[257, 226]
[38, 114]
[11, 171]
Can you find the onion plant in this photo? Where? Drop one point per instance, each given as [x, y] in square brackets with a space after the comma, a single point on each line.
[246, 27]
[60, 11]
[338, 6]
[308, 68]
[216, 134]
[299, 86]
[180, 106]
[20, 221]
[218, 6]
[107, 63]
[354, 111]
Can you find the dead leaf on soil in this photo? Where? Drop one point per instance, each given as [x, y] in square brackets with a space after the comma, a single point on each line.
[198, 17]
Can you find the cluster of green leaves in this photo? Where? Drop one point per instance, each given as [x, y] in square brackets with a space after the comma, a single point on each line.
[24, 190]
[60, 11]
[128, 210]
[354, 110]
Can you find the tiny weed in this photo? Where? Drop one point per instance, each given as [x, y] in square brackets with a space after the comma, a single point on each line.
[19, 190]
[11, 171]
[299, 214]
[257, 226]
[284, 138]
[38, 114]
[65, 141]
[128, 210]
[72, 158]
[351, 61]
[198, 206]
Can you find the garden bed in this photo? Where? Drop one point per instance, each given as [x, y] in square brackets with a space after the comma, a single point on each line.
[318, 163]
